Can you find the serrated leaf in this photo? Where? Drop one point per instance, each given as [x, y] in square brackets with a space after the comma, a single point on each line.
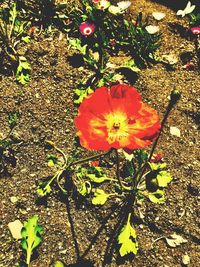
[13, 12]
[163, 178]
[157, 196]
[175, 240]
[127, 239]
[31, 236]
[23, 71]
[100, 197]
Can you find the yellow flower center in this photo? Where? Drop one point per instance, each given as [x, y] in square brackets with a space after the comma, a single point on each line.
[117, 126]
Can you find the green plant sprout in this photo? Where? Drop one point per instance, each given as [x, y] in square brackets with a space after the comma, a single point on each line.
[142, 178]
[110, 34]
[31, 238]
[6, 151]
[45, 13]
[12, 33]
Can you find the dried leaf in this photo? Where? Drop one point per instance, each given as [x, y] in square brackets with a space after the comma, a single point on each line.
[175, 240]
[186, 259]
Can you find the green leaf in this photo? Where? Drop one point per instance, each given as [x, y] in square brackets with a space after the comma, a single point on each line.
[127, 240]
[58, 264]
[131, 66]
[12, 118]
[100, 197]
[85, 188]
[26, 39]
[157, 166]
[96, 179]
[81, 94]
[76, 44]
[43, 189]
[52, 160]
[13, 12]
[31, 236]
[23, 79]
[23, 71]
[141, 156]
[163, 178]
[157, 196]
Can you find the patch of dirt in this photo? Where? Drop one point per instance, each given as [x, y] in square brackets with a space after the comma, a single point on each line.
[76, 232]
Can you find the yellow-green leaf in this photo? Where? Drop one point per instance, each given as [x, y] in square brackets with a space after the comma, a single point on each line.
[127, 239]
[163, 178]
[58, 264]
[157, 196]
[85, 188]
[31, 236]
[157, 166]
[100, 197]
[96, 179]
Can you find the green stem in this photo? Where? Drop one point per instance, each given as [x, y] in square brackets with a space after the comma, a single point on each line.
[89, 158]
[173, 100]
[118, 172]
[129, 217]
[66, 167]
[13, 22]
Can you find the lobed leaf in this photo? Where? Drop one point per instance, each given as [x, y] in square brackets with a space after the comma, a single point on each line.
[175, 240]
[127, 239]
[31, 236]
[163, 178]
[100, 197]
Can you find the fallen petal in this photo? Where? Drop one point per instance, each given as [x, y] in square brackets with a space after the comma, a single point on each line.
[175, 131]
[158, 15]
[15, 229]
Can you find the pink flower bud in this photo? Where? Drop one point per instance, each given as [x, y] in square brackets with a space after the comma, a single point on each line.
[87, 28]
[195, 30]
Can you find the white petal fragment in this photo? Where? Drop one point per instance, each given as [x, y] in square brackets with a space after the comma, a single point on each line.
[15, 229]
[175, 131]
[158, 15]
[152, 29]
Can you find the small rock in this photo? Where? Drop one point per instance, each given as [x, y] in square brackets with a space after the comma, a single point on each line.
[15, 229]
[170, 59]
[175, 131]
[14, 199]
[186, 259]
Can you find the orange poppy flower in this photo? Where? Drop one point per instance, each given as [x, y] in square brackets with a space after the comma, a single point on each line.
[116, 118]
